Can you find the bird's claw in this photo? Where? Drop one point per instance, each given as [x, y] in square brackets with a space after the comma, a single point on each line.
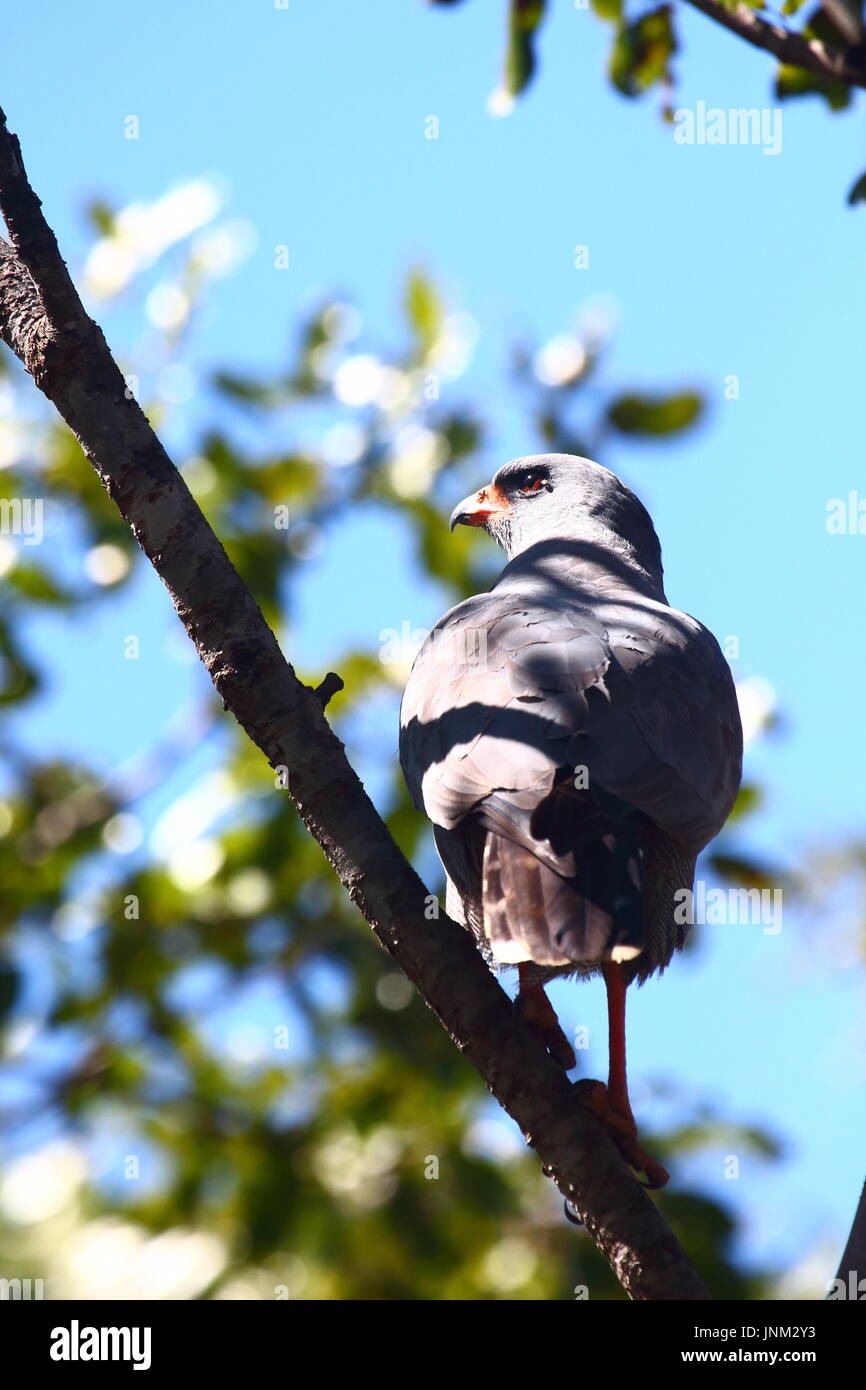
[535, 1009]
[623, 1131]
[571, 1214]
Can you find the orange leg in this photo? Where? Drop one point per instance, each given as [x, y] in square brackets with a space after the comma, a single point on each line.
[611, 1102]
[617, 1083]
[539, 1015]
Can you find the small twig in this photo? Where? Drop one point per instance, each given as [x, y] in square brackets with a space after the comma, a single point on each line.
[329, 687]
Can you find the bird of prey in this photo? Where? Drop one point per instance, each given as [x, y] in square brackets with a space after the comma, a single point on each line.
[575, 742]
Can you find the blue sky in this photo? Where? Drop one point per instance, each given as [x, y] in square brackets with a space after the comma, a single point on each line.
[718, 260]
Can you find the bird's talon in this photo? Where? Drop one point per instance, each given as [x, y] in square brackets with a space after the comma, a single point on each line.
[654, 1174]
[535, 1009]
[592, 1094]
[621, 1128]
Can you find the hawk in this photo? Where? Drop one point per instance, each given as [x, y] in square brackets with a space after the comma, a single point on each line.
[576, 743]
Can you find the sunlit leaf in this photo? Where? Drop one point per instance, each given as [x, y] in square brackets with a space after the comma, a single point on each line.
[525, 16]
[424, 311]
[747, 872]
[642, 52]
[797, 82]
[655, 415]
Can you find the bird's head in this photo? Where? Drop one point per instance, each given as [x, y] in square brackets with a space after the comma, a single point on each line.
[549, 498]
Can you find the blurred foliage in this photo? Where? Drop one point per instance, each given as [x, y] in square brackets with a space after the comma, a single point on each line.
[655, 415]
[642, 52]
[525, 16]
[645, 43]
[214, 1083]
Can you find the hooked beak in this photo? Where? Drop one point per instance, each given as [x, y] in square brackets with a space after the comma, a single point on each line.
[479, 507]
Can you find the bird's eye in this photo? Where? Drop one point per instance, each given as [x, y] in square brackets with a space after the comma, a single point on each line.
[533, 482]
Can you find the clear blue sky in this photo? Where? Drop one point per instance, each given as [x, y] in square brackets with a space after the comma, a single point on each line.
[721, 261]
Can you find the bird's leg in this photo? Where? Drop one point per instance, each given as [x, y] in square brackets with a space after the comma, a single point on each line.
[617, 1082]
[611, 1102]
[537, 1012]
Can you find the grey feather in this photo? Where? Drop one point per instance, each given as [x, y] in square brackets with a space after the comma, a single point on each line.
[573, 661]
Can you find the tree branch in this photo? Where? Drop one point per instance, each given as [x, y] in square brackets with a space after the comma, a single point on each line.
[787, 46]
[853, 1261]
[43, 321]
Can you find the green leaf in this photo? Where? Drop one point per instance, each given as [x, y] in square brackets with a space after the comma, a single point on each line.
[746, 872]
[642, 52]
[655, 415]
[749, 798]
[719, 1134]
[248, 390]
[423, 310]
[463, 436]
[795, 82]
[101, 216]
[291, 478]
[34, 583]
[525, 16]
[608, 9]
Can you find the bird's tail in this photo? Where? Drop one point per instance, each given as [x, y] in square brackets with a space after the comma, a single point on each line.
[532, 912]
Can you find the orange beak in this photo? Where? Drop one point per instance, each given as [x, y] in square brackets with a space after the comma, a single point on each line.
[476, 509]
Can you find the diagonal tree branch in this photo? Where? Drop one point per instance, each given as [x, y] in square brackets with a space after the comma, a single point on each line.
[44, 323]
[787, 46]
[852, 1266]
